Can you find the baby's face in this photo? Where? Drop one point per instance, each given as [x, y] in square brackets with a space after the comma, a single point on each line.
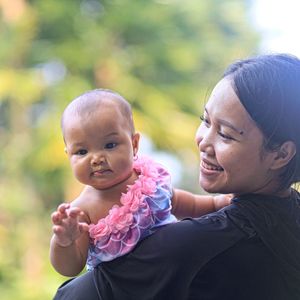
[100, 147]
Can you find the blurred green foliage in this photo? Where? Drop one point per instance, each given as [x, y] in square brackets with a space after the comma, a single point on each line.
[163, 56]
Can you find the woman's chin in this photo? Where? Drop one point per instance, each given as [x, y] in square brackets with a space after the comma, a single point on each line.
[213, 187]
[208, 187]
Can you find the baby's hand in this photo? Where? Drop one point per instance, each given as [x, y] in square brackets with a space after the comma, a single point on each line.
[66, 225]
[221, 201]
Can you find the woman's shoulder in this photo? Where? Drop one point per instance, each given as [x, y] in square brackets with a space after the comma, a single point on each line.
[199, 239]
[221, 222]
[176, 251]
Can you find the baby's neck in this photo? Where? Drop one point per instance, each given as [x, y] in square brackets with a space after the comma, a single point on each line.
[99, 202]
[113, 193]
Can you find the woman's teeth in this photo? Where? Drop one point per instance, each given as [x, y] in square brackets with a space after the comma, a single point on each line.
[211, 167]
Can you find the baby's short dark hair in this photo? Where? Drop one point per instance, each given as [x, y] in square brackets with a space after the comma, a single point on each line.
[91, 100]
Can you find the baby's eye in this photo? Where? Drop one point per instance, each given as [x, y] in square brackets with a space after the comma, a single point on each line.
[110, 145]
[81, 152]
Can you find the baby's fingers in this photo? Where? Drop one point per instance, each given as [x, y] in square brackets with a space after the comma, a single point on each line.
[83, 227]
[56, 218]
[62, 208]
[57, 230]
[74, 212]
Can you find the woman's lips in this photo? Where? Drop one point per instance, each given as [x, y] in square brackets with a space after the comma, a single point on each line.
[210, 168]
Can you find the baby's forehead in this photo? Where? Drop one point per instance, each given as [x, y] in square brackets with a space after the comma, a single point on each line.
[95, 103]
[92, 102]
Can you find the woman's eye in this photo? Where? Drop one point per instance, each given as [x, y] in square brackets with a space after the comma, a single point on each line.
[110, 145]
[224, 136]
[81, 152]
[204, 120]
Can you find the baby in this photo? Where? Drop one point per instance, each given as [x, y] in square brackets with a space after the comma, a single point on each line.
[125, 198]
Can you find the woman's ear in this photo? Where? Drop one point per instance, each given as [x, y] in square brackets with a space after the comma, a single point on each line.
[283, 155]
[135, 143]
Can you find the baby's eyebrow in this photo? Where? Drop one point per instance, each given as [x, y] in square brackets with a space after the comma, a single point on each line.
[77, 144]
[111, 134]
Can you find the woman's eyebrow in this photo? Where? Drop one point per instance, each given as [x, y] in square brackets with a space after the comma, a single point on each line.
[228, 124]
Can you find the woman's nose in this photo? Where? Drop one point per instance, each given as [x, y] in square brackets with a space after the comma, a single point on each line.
[199, 136]
[204, 140]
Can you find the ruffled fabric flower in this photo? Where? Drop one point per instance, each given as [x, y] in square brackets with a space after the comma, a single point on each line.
[145, 207]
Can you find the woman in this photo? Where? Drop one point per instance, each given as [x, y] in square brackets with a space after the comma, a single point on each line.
[249, 144]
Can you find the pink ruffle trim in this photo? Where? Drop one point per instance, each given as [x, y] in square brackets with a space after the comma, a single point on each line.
[121, 228]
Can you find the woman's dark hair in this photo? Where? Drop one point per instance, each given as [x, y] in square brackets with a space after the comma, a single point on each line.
[268, 86]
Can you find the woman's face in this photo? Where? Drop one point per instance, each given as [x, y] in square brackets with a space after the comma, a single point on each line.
[231, 147]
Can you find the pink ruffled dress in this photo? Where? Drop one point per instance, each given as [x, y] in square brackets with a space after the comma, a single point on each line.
[145, 207]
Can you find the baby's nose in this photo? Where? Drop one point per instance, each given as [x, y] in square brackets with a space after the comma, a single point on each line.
[97, 159]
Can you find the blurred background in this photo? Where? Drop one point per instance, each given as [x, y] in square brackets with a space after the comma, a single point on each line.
[164, 56]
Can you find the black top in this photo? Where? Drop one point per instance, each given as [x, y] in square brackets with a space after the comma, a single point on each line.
[248, 250]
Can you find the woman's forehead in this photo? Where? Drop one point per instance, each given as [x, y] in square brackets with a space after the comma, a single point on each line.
[225, 104]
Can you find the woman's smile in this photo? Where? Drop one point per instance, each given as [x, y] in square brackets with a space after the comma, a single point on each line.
[210, 166]
[207, 168]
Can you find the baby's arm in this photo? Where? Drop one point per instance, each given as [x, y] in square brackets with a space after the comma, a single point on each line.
[186, 204]
[70, 240]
